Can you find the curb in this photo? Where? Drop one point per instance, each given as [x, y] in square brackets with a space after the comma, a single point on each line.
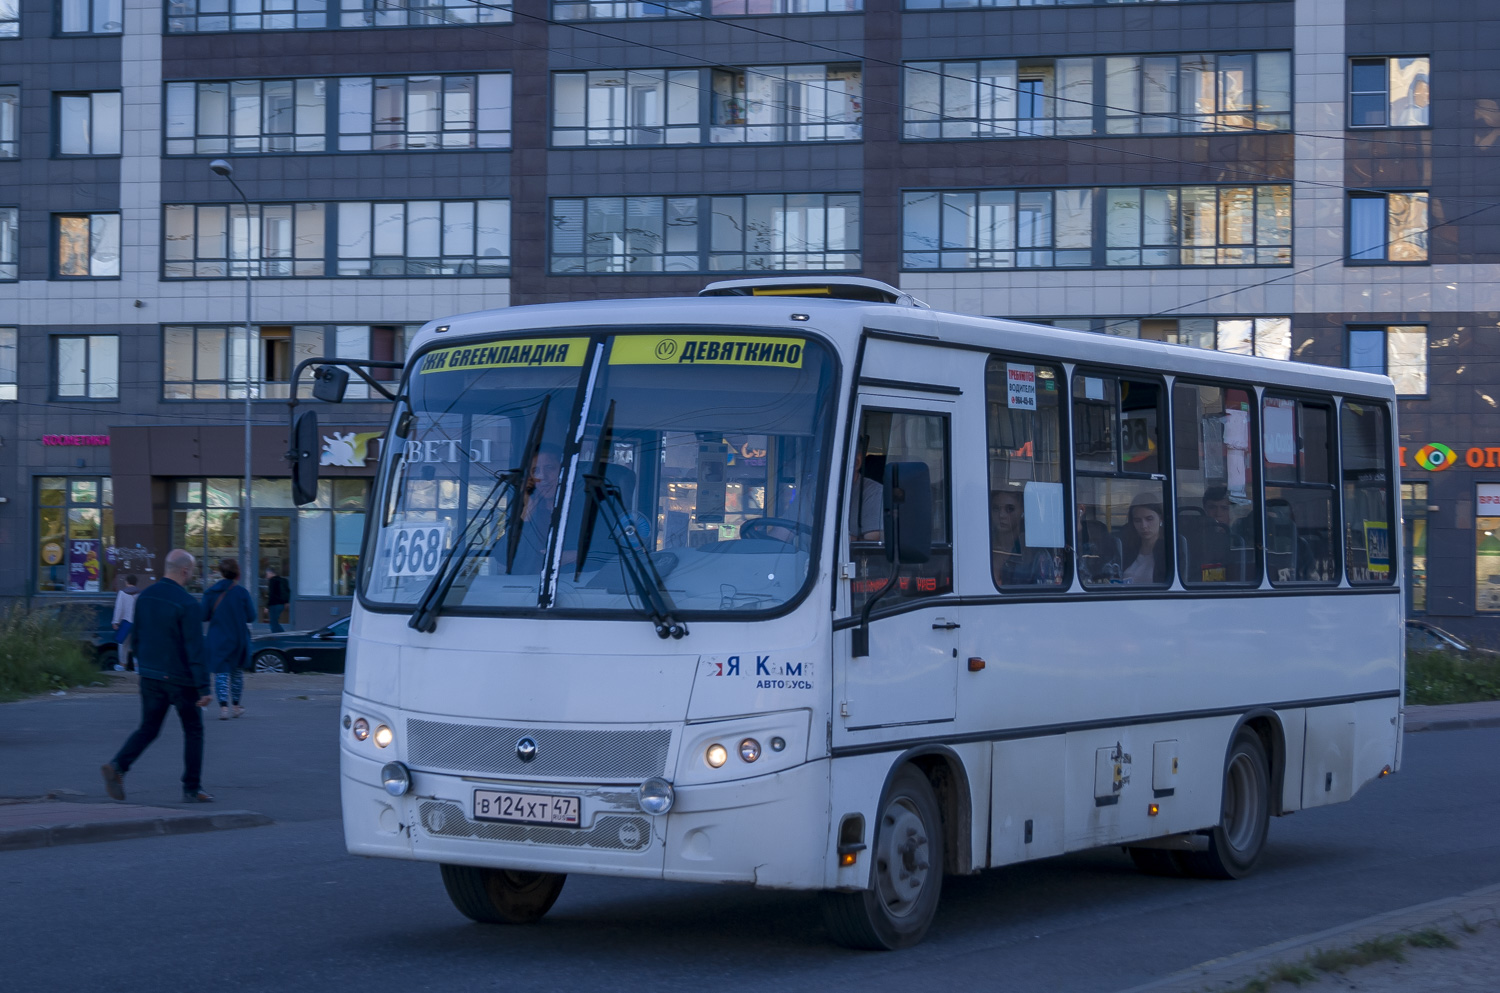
[85, 832]
[1236, 970]
[1459, 725]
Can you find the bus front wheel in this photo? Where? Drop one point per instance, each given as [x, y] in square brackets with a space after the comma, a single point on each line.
[501, 896]
[906, 870]
[1235, 844]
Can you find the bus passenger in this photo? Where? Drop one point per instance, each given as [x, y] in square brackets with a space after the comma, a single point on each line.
[867, 507]
[1098, 550]
[1216, 505]
[1144, 550]
[1012, 562]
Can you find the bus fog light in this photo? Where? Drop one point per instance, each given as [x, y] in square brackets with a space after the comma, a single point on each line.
[361, 729]
[655, 796]
[749, 749]
[716, 756]
[396, 778]
[383, 736]
[778, 743]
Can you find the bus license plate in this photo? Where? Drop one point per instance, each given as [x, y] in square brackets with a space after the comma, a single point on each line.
[526, 808]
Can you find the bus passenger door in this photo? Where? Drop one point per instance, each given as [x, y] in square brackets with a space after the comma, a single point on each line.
[910, 673]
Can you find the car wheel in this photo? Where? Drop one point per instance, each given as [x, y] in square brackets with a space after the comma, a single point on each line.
[501, 896]
[269, 661]
[108, 658]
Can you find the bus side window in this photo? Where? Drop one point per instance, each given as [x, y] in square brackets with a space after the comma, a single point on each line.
[1028, 515]
[1367, 491]
[1123, 529]
[1218, 501]
[887, 436]
[1298, 467]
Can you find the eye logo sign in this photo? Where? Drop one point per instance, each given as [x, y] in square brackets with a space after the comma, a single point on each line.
[1435, 457]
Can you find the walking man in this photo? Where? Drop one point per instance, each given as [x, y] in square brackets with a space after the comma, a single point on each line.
[278, 595]
[170, 655]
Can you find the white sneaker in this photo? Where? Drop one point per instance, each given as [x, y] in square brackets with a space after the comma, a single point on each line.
[119, 667]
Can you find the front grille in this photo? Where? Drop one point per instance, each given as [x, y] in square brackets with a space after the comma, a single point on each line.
[561, 753]
[617, 832]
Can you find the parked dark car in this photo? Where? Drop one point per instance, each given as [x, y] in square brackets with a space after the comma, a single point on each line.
[301, 651]
[92, 623]
[1424, 637]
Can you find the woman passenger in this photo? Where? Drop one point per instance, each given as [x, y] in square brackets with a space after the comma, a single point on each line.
[1145, 548]
[1013, 563]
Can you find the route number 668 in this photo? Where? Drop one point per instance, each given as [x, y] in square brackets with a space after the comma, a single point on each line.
[416, 549]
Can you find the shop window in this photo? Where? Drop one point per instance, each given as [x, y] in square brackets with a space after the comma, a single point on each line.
[1389, 93]
[1297, 441]
[1487, 549]
[1366, 443]
[1218, 499]
[88, 245]
[86, 366]
[88, 123]
[1123, 529]
[8, 368]
[1399, 352]
[75, 534]
[206, 522]
[1414, 520]
[1388, 227]
[329, 531]
[1028, 512]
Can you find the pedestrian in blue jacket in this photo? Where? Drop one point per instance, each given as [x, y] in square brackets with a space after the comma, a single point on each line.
[229, 612]
[170, 657]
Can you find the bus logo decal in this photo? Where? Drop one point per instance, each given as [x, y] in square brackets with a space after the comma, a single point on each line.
[526, 749]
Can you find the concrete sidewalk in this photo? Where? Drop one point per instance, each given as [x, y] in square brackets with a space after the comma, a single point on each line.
[49, 821]
[1454, 716]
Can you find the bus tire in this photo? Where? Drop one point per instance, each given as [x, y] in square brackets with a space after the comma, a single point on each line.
[906, 874]
[1235, 844]
[501, 896]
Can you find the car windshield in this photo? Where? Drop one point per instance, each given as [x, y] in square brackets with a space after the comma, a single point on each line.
[558, 464]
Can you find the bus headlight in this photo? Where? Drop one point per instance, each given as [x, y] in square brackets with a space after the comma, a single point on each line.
[716, 756]
[396, 778]
[749, 750]
[361, 729]
[655, 796]
[383, 736]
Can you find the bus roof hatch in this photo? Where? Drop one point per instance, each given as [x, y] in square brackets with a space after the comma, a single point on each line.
[838, 288]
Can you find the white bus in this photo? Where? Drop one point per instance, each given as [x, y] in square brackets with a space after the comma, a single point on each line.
[802, 584]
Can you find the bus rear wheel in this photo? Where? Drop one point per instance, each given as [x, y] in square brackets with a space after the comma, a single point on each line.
[906, 870]
[1235, 844]
[502, 896]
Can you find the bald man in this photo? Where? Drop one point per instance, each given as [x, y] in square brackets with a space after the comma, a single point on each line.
[170, 657]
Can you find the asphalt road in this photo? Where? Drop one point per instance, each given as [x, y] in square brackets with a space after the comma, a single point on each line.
[284, 908]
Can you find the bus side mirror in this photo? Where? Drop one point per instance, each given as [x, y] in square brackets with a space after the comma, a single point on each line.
[908, 513]
[304, 456]
[329, 383]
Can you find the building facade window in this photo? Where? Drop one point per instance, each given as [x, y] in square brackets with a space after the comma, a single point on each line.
[91, 16]
[639, 107]
[971, 4]
[772, 232]
[786, 103]
[10, 118]
[10, 241]
[1389, 93]
[997, 229]
[246, 115]
[8, 367]
[1388, 227]
[412, 238]
[1136, 226]
[88, 245]
[1414, 519]
[415, 112]
[608, 10]
[88, 123]
[10, 18]
[188, 16]
[75, 534]
[86, 367]
[1156, 94]
[208, 362]
[1398, 351]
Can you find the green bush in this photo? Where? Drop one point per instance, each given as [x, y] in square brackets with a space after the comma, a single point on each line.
[1447, 677]
[39, 652]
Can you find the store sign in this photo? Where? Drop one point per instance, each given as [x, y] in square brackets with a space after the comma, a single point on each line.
[1435, 457]
[76, 440]
[350, 449]
[1489, 500]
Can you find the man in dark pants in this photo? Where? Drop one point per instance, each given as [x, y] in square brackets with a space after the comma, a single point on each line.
[278, 595]
[170, 656]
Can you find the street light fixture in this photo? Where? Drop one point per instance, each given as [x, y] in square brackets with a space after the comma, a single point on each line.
[221, 167]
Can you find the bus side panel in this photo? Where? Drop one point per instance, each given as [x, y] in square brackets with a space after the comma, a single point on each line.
[1025, 794]
[1294, 735]
[1328, 767]
[857, 781]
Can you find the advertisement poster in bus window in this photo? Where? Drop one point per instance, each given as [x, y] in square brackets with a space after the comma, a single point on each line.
[83, 566]
[1378, 549]
[1020, 386]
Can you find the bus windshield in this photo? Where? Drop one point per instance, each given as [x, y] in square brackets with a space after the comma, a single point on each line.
[564, 473]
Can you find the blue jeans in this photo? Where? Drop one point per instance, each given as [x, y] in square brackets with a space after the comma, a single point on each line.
[229, 685]
[274, 610]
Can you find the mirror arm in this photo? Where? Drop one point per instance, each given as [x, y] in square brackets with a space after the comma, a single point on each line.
[357, 366]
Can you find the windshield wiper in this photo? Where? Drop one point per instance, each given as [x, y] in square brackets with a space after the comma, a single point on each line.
[424, 615]
[603, 498]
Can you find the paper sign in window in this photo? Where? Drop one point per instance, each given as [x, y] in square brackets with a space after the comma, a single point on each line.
[1046, 516]
[1281, 432]
[1020, 386]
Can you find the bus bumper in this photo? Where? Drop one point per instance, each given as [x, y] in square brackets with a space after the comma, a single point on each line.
[771, 831]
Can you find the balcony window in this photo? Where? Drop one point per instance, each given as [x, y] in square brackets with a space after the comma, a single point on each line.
[248, 115]
[415, 112]
[86, 367]
[88, 123]
[1389, 93]
[1388, 227]
[88, 245]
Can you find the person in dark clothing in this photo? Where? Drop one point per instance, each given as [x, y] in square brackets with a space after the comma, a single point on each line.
[229, 612]
[174, 674]
[278, 595]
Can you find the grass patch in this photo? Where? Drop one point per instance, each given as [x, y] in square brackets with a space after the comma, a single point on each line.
[1446, 677]
[1431, 938]
[1341, 960]
[38, 653]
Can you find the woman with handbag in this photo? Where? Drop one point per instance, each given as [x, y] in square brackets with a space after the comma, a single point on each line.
[228, 612]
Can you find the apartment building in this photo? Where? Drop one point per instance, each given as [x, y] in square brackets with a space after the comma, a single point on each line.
[1300, 179]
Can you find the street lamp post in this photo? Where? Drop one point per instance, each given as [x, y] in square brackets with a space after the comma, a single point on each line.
[223, 168]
